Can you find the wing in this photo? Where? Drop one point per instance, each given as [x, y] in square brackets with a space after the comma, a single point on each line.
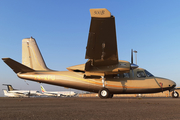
[50, 94]
[21, 93]
[101, 48]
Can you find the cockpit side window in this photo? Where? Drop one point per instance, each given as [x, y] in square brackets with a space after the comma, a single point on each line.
[148, 74]
[126, 75]
[141, 74]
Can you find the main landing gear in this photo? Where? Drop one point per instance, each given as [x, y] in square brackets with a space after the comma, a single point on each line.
[104, 92]
[175, 94]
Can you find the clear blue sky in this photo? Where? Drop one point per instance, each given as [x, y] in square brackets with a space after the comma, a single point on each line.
[152, 27]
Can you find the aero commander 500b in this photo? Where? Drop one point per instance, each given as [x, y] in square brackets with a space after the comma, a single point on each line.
[103, 73]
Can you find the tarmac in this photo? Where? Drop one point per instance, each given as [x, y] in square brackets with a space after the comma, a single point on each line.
[78, 108]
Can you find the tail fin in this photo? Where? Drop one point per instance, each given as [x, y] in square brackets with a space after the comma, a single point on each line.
[31, 55]
[42, 89]
[16, 66]
[10, 88]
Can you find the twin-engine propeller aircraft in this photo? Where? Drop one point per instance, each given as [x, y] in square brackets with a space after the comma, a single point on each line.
[58, 93]
[19, 93]
[103, 73]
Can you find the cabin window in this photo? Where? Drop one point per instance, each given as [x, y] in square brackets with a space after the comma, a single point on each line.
[118, 76]
[148, 74]
[126, 75]
[140, 74]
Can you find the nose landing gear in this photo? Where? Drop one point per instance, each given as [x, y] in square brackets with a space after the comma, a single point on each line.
[175, 94]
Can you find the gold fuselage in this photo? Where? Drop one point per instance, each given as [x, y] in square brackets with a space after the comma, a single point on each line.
[116, 85]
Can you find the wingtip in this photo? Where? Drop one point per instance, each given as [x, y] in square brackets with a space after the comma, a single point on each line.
[5, 58]
[100, 13]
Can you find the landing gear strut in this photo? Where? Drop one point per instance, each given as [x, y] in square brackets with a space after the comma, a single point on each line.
[104, 92]
[103, 81]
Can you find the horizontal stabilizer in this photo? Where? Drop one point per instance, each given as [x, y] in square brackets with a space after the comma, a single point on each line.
[16, 66]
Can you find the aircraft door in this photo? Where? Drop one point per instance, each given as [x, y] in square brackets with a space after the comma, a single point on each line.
[125, 76]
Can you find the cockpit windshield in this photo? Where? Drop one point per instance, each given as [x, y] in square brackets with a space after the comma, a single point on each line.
[148, 74]
[141, 74]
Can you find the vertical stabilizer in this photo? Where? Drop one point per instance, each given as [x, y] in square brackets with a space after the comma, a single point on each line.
[31, 55]
[42, 89]
[10, 88]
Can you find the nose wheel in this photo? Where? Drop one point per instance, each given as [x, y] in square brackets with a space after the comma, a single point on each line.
[175, 94]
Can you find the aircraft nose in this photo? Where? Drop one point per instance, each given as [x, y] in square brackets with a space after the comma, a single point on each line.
[166, 83]
[173, 84]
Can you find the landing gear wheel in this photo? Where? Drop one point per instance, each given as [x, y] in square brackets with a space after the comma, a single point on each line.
[104, 93]
[175, 94]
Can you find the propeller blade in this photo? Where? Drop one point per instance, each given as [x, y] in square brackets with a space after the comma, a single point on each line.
[133, 66]
[131, 56]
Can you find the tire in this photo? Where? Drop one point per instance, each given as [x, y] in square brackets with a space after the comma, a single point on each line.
[175, 94]
[104, 93]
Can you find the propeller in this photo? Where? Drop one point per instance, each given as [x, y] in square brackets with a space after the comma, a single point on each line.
[133, 66]
[131, 56]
